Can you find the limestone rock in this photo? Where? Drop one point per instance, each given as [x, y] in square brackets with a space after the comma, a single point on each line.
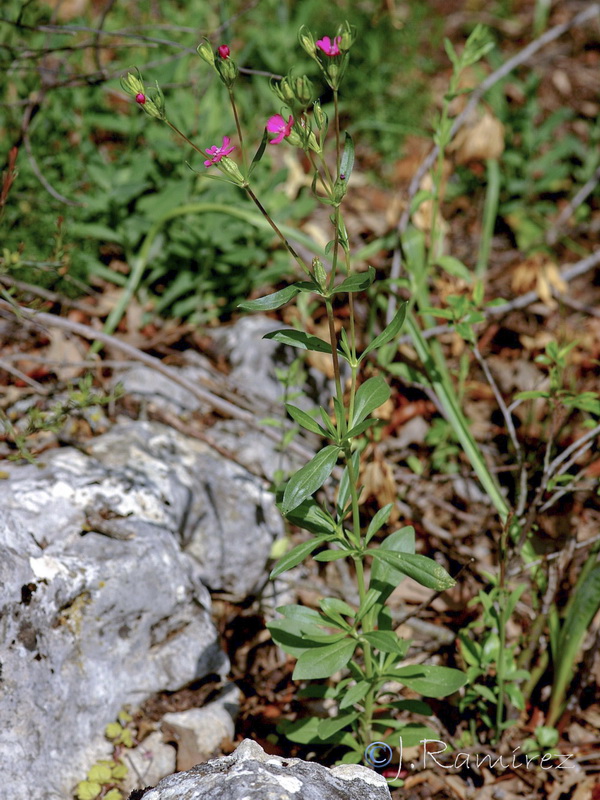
[102, 601]
[251, 774]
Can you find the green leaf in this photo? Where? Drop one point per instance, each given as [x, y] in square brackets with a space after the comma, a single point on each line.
[296, 556]
[430, 680]
[113, 730]
[384, 577]
[310, 516]
[113, 794]
[327, 727]
[305, 731]
[332, 605]
[355, 694]
[259, 153]
[356, 283]
[532, 395]
[372, 393]
[271, 301]
[304, 341]
[88, 790]
[344, 487]
[347, 160]
[389, 332]
[302, 418]
[332, 555]
[310, 478]
[322, 662]
[100, 773]
[387, 642]
[378, 521]
[455, 267]
[360, 428]
[420, 568]
[119, 771]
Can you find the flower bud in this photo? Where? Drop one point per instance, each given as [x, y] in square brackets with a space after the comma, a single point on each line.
[283, 91]
[347, 33]
[307, 41]
[303, 91]
[319, 272]
[227, 70]
[319, 115]
[223, 51]
[230, 168]
[153, 104]
[205, 52]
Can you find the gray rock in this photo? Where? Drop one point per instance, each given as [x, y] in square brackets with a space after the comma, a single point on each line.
[150, 761]
[199, 732]
[251, 774]
[91, 623]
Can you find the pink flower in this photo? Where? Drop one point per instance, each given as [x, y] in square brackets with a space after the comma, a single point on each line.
[217, 153]
[278, 125]
[140, 98]
[328, 47]
[223, 51]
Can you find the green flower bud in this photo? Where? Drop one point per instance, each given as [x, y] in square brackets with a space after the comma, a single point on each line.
[320, 274]
[319, 115]
[206, 53]
[347, 33]
[283, 91]
[227, 70]
[230, 168]
[303, 91]
[307, 41]
[153, 104]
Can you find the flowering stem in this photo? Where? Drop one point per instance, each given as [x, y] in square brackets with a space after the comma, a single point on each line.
[184, 137]
[285, 242]
[335, 360]
[338, 153]
[239, 130]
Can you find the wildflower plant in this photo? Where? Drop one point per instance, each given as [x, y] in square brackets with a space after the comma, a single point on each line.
[353, 646]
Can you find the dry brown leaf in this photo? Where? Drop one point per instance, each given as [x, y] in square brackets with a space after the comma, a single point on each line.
[67, 10]
[378, 481]
[479, 139]
[538, 272]
[64, 350]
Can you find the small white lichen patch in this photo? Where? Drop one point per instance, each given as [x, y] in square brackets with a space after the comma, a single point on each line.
[354, 772]
[46, 568]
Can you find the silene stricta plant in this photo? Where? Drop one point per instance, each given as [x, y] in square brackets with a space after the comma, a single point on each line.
[357, 642]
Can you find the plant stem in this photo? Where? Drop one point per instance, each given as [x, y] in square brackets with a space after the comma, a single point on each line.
[239, 130]
[285, 242]
[185, 138]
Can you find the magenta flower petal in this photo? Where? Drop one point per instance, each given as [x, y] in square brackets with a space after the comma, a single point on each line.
[217, 152]
[328, 47]
[223, 51]
[277, 124]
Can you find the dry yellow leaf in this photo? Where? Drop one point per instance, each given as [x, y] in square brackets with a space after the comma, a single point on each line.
[540, 273]
[479, 139]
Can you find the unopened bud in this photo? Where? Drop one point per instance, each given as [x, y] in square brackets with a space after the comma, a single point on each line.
[230, 168]
[140, 98]
[304, 91]
[320, 274]
[227, 70]
[283, 91]
[205, 52]
[307, 41]
[347, 34]
[223, 51]
[319, 115]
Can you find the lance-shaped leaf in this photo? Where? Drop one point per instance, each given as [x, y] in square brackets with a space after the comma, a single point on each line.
[422, 569]
[389, 332]
[305, 341]
[302, 418]
[356, 283]
[431, 680]
[259, 153]
[322, 662]
[373, 393]
[310, 478]
[277, 299]
[296, 555]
